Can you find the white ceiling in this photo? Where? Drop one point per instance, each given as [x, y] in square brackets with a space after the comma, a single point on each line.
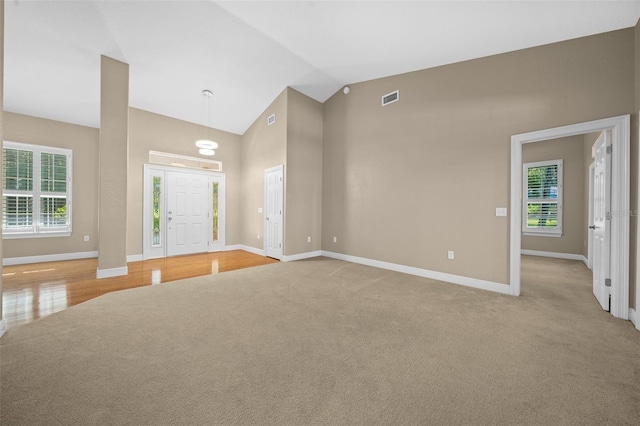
[248, 52]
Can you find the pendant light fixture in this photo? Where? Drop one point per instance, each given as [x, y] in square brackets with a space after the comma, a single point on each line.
[206, 146]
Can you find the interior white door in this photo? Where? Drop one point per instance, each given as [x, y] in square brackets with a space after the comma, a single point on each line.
[187, 213]
[274, 190]
[592, 171]
[601, 226]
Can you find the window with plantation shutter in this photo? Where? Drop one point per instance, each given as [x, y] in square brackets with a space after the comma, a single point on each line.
[36, 191]
[542, 198]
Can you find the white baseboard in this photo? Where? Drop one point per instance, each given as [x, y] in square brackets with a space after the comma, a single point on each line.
[568, 256]
[3, 327]
[112, 272]
[134, 258]
[48, 258]
[425, 273]
[633, 317]
[245, 248]
[139, 257]
[300, 256]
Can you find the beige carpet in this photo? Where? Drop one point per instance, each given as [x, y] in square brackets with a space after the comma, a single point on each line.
[327, 342]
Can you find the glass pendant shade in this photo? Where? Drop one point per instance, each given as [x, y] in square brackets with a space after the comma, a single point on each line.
[206, 144]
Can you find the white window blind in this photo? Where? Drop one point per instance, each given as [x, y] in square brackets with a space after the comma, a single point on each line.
[542, 198]
[36, 191]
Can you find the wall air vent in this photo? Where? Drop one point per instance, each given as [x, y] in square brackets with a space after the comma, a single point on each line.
[176, 160]
[271, 119]
[390, 98]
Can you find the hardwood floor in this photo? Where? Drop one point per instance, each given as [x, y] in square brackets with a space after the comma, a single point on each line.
[36, 290]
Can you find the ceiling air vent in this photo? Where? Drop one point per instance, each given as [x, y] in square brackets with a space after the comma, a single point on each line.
[271, 119]
[390, 98]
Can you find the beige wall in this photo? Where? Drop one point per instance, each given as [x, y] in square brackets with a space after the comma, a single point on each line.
[149, 131]
[294, 141]
[303, 210]
[262, 147]
[84, 143]
[407, 182]
[571, 151]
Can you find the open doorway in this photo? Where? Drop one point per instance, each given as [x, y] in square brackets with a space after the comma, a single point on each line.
[558, 218]
[619, 130]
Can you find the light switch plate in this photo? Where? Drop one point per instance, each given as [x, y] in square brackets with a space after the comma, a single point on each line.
[259, 209]
[501, 211]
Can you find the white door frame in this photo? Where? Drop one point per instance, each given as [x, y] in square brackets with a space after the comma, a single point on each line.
[149, 252]
[620, 135]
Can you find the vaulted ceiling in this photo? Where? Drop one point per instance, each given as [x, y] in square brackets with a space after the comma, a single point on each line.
[247, 52]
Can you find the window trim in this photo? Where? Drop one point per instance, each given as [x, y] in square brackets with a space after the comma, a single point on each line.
[542, 232]
[36, 193]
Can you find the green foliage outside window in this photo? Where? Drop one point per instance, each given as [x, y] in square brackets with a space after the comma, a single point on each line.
[30, 206]
[542, 195]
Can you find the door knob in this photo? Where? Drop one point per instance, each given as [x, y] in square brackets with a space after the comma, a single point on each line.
[169, 218]
[592, 227]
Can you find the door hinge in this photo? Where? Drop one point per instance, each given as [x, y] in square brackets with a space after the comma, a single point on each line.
[607, 282]
[609, 149]
[280, 245]
[608, 216]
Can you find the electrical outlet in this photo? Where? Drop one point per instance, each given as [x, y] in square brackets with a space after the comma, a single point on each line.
[308, 239]
[335, 239]
[450, 254]
[86, 238]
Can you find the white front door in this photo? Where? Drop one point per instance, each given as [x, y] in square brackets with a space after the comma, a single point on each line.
[602, 220]
[187, 213]
[274, 190]
[169, 189]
